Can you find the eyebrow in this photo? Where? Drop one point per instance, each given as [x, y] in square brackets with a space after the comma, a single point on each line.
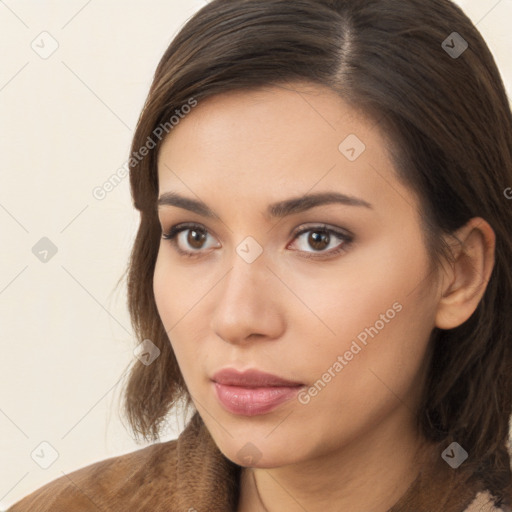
[276, 210]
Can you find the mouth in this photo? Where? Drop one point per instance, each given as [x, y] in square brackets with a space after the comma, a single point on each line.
[252, 392]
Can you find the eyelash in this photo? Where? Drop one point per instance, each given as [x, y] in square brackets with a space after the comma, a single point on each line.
[347, 239]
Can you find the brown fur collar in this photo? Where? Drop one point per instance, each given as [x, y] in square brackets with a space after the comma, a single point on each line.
[191, 475]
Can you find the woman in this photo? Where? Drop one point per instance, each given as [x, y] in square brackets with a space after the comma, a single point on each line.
[322, 263]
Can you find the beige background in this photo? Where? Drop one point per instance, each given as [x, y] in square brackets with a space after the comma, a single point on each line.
[66, 126]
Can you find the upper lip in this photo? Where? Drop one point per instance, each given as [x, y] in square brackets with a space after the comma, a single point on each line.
[251, 378]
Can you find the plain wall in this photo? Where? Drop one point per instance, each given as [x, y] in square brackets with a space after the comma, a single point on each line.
[66, 126]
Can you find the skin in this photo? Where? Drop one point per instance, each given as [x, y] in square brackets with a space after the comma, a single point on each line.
[353, 445]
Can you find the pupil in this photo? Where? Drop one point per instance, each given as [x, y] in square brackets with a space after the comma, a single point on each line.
[318, 239]
[195, 238]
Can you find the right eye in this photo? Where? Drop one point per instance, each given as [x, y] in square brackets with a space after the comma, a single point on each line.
[197, 234]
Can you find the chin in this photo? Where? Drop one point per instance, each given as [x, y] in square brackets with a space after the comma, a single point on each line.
[262, 454]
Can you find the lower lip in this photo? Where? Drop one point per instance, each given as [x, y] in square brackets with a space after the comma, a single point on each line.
[253, 401]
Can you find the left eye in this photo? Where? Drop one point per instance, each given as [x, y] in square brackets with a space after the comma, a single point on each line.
[319, 239]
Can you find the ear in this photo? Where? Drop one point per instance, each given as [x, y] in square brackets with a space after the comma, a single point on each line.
[467, 274]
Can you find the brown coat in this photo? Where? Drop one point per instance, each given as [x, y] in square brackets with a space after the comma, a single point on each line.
[190, 474]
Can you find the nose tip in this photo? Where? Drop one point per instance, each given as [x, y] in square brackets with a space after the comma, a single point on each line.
[247, 306]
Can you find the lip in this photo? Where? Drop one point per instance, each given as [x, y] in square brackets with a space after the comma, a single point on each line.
[251, 379]
[252, 392]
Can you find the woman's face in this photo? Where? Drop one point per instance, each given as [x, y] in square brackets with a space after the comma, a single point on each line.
[345, 308]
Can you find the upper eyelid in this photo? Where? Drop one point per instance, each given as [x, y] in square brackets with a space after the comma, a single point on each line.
[182, 226]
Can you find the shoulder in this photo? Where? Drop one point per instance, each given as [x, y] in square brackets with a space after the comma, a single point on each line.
[141, 477]
[483, 502]
[183, 474]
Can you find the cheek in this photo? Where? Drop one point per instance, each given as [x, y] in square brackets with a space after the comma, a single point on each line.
[370, 368]
[170, 298]
[162, 289]
[178, 296]
[374, 312]
[340, 301]
[177, 290]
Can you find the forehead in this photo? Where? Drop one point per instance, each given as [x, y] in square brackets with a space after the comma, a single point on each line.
[274, 141]
[275, 117]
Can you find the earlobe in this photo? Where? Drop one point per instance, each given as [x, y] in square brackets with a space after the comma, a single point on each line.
[468, 274]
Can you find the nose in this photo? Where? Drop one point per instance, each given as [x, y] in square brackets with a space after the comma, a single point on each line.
[250, 303]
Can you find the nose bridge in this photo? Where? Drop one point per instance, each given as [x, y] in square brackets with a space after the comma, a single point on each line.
[247, 260]
[248, 278]
[246, 300]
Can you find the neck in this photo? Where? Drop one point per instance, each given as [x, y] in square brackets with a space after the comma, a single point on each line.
[370, 473]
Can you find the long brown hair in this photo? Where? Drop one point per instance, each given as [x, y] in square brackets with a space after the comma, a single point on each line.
[449, 121]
